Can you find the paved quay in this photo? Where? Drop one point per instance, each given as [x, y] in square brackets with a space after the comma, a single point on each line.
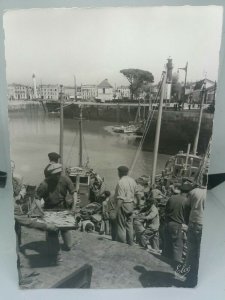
[115, 265]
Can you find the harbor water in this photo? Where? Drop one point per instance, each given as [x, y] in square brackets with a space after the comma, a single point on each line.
[33, 134]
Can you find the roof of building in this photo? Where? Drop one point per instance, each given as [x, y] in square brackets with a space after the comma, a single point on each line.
[123, 87]
[17, 84]
[199, 84]
[69, 87]
[88, 86]
[104, 84]
[49, 85]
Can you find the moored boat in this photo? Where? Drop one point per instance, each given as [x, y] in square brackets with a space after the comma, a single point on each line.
[127, 129]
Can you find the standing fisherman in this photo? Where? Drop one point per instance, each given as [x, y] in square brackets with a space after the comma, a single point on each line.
[53, 190]
[196, 201]
[175, 215]
[125, 193]
[53, 159]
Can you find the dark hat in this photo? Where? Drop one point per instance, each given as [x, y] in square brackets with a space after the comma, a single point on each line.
[186, 187]
[123, 169]
[53, 156]
[89, 227]
[149, 200]
[107, 193]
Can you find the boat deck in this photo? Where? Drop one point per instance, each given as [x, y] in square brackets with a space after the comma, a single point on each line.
[114, 265]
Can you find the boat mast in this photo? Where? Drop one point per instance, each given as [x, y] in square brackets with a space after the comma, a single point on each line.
[144, 111]
[139, 111]
[75, 89]
[150, 101]
[195, 147]
[81, 139]
[158, 127]
[61, 125]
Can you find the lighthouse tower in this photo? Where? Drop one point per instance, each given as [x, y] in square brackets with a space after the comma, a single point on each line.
[35, 86]
[169, 67]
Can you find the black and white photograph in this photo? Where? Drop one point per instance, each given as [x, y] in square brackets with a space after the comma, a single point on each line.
[111, 121]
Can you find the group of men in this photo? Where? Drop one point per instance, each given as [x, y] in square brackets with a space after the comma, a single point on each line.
[181, 224]
[126, 220]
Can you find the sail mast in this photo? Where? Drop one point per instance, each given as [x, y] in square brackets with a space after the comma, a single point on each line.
[158, 127]
[75, 89]
[61, 125]
[81, 139]
[144, 111]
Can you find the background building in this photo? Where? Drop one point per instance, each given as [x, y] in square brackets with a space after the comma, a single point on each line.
[205, 84]
[69, 92]
[49, 91]
[17, 91]
[88, 92]
[105, 91]
[122, 93]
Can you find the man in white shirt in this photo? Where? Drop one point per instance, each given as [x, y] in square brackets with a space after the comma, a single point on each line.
[125, 194]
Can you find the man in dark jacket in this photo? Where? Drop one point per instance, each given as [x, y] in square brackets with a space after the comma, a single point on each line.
[196, 201]
[146, 225]
[53, 159]
[176, 214]
[53, 190]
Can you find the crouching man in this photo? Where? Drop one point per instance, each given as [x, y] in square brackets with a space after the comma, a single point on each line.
[53, 190]
[146, 226]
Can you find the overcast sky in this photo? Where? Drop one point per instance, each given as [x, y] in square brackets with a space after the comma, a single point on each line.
[95, 44]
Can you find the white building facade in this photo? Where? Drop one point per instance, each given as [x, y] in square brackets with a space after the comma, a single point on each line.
[69, 92]
[49, 91]
[88, 92]
[19, 92]
[122, 92]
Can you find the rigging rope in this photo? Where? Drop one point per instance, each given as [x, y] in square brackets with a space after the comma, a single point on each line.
[85, 148]
[204, 164]
[71, 148]
[148, 123]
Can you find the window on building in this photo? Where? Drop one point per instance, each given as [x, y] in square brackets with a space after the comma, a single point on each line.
[103, 90]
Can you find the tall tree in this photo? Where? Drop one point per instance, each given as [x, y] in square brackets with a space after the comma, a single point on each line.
[137, 79]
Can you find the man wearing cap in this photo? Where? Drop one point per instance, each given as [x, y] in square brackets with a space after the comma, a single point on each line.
[53, 159]
[53, 190]
[176, 214]
[125, 194]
